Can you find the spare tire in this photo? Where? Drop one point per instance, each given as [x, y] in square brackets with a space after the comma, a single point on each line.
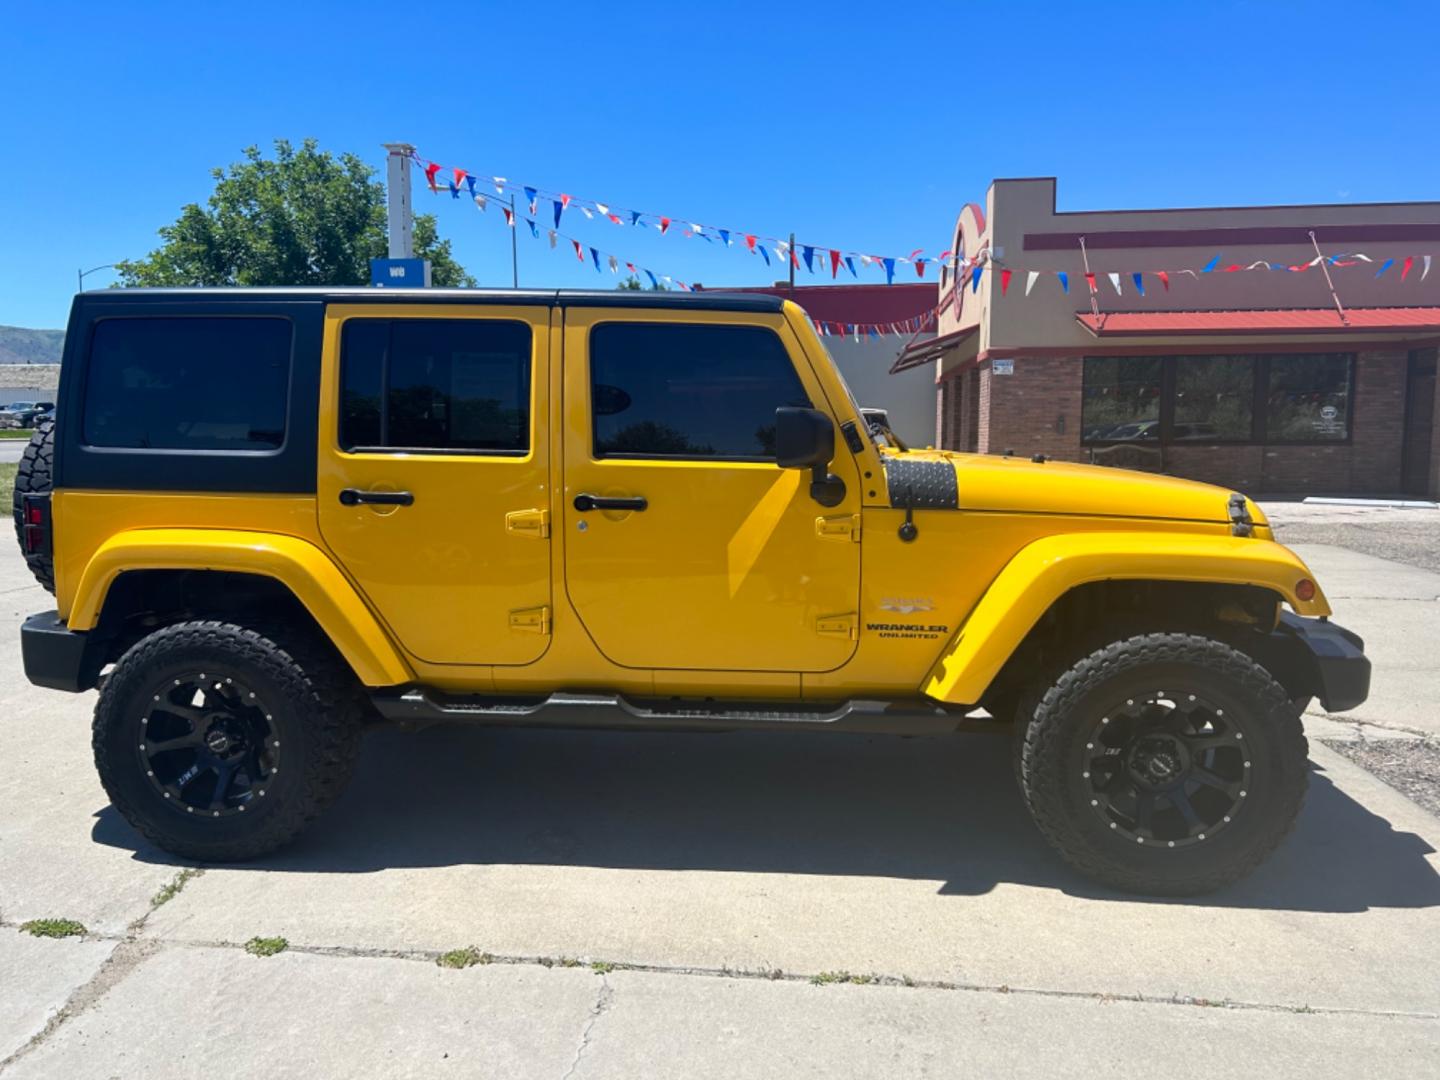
[36, 475]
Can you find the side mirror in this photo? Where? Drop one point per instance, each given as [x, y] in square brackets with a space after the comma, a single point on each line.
[805, 439]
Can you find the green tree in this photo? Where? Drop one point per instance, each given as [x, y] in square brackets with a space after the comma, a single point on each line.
[632, 284]
[301, 218]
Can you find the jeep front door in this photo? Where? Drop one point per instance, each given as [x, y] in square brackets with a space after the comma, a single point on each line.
[686, 546]
[433, 485]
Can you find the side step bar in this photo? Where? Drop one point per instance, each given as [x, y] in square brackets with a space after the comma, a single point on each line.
[611, 711]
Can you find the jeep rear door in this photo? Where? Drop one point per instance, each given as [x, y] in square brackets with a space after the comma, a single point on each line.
[433, 483]
[714, 558]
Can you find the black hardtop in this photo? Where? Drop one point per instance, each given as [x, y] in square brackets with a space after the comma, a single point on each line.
[618, 298]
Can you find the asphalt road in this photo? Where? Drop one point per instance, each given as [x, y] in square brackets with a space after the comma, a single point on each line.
[11, 449]
[728, 906]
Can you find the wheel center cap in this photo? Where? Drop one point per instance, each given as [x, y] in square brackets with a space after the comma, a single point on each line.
[217, 741]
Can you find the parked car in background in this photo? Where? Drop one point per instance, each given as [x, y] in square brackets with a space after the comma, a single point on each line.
[24, 413]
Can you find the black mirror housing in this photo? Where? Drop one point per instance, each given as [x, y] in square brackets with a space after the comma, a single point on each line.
[804, 438]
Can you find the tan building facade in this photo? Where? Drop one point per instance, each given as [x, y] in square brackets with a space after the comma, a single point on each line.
[1278, 353]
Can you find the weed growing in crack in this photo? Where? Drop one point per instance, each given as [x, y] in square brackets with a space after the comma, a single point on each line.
[602, 967]
[463, 958]
[172, 888]
[266, 946]
[54, 928]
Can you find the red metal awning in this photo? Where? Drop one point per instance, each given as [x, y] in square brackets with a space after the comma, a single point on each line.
[922, 352]
[1279, 321]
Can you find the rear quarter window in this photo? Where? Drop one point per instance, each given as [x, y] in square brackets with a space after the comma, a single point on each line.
[188, 383]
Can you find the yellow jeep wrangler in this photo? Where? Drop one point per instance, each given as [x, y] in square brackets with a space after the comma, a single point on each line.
[271, 517]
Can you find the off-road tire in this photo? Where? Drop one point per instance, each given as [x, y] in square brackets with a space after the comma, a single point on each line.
[35, 476]
[318, 712]
[1059, 800]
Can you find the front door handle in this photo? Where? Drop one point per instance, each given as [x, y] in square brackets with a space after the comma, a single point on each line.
[356, 497]
[585, 503]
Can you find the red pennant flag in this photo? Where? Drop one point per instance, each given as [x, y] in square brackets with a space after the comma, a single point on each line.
[579, 254]
[917, 251]
[834, 263]
[509, 217]
[1405, 266]
[919, 267]
[1164, 279]
[1090, 280]
[794, 259]
[615, 218]
[1005, 281]
[750, 242]
[564, 202]
[1232, 269]
[459, 177]
[664, 225]
[630, 266]
[430, 171]
[945, 254]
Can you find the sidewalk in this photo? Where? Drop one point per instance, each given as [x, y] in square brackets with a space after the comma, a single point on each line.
[711, 878]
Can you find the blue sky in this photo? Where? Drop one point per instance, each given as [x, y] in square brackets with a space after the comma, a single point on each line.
[859, 125]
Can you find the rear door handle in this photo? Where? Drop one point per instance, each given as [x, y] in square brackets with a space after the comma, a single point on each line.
[356, 497]
[585, 503]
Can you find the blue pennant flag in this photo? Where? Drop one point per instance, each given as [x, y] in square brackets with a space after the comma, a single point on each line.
[559, 209]
[635, 220]
[454, 191]
[530, 194]
[535, 232]
[763, 253]
[1139, 283]
[809, 253]
[850, 265]
[1064, 280]
[1211, 265]
[725, 236]
[872, 332]
[596, 256]
[1385, 266]
[653, 283]
[470, 183]
[975, 278]
[889, 271]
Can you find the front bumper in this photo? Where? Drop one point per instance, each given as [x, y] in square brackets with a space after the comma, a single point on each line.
[1337, 667]
[57, 657]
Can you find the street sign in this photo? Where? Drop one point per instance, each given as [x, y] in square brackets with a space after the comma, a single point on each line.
[411, 273]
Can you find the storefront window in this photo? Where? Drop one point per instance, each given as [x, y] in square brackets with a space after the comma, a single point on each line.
[1122, 398]
[1308, 398]
[1210, 399]
[1214, 399]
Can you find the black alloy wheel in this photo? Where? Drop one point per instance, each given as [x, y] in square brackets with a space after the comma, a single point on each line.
[209, 744]
[1167, 769]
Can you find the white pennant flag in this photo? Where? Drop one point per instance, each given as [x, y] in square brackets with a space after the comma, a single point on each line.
[614, 266]
[1030, 280]
[1362, 258]
[602, 208]
[587, 213]
[1115, 280]
[499, 184]
[1427, 267]
[864, 260]
[552, 236]
[480, 201]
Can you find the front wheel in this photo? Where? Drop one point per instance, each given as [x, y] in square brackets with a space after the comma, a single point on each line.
[1166, 764]
[220, 743]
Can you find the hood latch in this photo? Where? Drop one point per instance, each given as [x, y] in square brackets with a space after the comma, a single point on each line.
[1241, 523]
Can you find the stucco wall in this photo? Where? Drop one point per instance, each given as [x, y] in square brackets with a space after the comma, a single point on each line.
[31, 378]
[908, 396]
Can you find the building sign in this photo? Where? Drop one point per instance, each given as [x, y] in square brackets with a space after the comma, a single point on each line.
[411, 273]
[1002, 367]
[1329, 422]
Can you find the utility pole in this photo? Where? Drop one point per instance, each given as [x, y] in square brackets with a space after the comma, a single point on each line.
[400, 212]
[790, 262]
[514, 261]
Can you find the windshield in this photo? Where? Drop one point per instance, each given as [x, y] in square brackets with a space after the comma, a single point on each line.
[855, 405]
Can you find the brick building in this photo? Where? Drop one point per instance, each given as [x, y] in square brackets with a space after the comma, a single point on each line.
[1253, 379]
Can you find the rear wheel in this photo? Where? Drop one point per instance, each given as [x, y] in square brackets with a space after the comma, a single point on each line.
[219, 743]
[35, 476]
[1165, 763]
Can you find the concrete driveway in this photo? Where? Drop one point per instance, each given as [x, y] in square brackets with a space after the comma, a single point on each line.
[11, 450]
[726, 906]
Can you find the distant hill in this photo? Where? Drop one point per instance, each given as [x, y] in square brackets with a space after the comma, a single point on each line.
[21, 346]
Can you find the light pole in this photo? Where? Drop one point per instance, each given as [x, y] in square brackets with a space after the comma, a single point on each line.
[81, 275]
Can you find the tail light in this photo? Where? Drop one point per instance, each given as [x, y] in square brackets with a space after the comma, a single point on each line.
[35, 524]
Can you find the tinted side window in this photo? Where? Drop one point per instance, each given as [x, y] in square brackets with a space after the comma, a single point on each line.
[661, 390]
[180, 383]
[435, 384]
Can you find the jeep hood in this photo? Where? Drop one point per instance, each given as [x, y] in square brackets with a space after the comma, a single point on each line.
[989, 482]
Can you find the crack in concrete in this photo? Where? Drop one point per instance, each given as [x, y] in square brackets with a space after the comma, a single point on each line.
[1383, 725]
[127, 955]
[428, 956]
[603, 1001]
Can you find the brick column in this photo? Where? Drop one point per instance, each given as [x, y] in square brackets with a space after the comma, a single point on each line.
[1035, 410]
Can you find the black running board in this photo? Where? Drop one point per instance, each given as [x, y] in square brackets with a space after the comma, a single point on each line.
[611, 711]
